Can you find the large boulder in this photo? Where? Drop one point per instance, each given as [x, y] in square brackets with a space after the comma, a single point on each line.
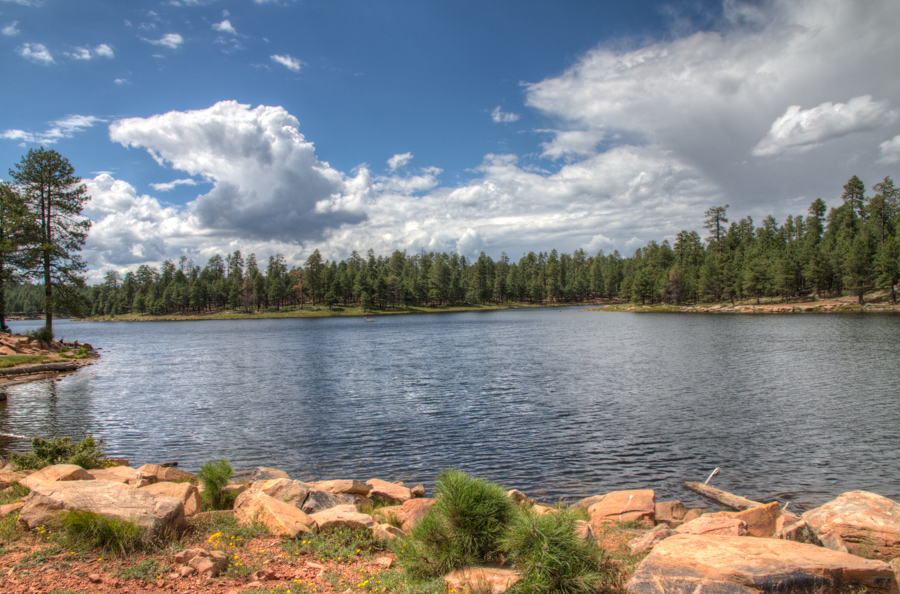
[671, 513]
[708, 524]
[289, 491]
[860, 522]
[747, 565]
[263, 473]
[184, 492]
[156, 513]
[56, 473]
[342, 516]
[412, 512]
[760, 520]
[388, 492]
[317, 500]
[646, 542]
[624, 506]
[157, 472]
[119, 474]
[278, 517]
[347, 487]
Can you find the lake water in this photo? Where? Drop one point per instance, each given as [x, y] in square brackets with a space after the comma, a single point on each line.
[559, 403]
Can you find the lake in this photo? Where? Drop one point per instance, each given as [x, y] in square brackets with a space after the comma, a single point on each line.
[556, 402]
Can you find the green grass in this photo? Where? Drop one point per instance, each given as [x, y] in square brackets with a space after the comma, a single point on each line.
[214, 477]
[294, 588]
[85, 529]
[343, 545]
[397, 582]
[39, 558]
[13, 494]
[13, 360]
[147, 570]
[225, 533]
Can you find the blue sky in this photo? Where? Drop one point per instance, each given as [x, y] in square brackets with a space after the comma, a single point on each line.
[205, 126]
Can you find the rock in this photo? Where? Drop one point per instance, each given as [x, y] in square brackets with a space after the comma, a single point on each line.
[286, 490]
[56, 473]
[785, 520]
[693, 514]
[412, 512]
[264, 474]
[342, 516]
[10, 508]
[644, 543]
[671, 513]
[584, 530]
[384, 562]
[520, 498]
[388, 492]
[150, 472]
[484, 580]
[587, 502]
[348, 487]
[10, 478]
[389, 514]
[157, 513]
[760, 520]
[317, 501]
[120, 474]
[184, 492]
[279, 517]
[234, 490]
[745, 565]
[94, 578]
[624, 506]
[263, 575]
[386, 532]
[418, 490]
[160, 472]
[866, 524]
[799, 532]
[708, 524]
[204, 566]
[186, 571]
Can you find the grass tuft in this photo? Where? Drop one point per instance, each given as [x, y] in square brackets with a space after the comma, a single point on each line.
[214, 477]
[344, 545]
[93, 530]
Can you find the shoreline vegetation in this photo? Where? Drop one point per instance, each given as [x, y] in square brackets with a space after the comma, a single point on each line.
[74, 520]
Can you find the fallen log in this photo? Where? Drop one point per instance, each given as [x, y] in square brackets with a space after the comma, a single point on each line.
[42, 368]
[721, 497]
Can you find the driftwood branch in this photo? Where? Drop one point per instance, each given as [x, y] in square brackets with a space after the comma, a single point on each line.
[722, 497]
[42, 368]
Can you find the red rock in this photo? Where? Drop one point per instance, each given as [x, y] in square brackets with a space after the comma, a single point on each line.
[120, 474]
[184, 492]
[389, 492]
[282, 489]
[865, 523]
[624, 506]
[714, 525]
[277, 516]
[760, 520]
[412, 512]
[671, 513]
[348, 487]
[644, 543]
[342, 516]
[56, 472]
[747, 565]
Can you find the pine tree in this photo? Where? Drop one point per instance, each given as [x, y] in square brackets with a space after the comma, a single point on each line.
[55, 197]
[15, 229]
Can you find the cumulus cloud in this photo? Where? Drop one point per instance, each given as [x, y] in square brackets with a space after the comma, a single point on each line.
[288, 62]
[224, 27]
[267, 181]
[890, 150]
[64, 128]
[169, 186]
[11, 30]
[169, 40]
[101, 51]
[398, 161]
[803, 129]
[572, 143]
[501, 117]
[37, 53]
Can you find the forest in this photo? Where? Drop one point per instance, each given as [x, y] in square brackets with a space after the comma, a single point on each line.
[851, 249]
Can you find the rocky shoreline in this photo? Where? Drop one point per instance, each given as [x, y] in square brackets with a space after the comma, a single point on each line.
[850, 543]
[55, 357]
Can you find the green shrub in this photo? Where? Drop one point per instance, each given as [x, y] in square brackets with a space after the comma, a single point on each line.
[553, 559]
[87, 453]
[43, 333]
[214, 476]
[114, 535]
[463, 527]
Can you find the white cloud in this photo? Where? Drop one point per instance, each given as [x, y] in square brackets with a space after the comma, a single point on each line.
[37, 53]
[169, 186]
[572, 143]
[80, 53]
[501, 117]
[104, 51]
[11, 30]
[101, 51]
[399, 160]
[890, 150]
[267, 181]
[64, 128]
[121, 81]
[426, 180]
[288, 62]
[803, 129]
[169, 40]
[224, 27]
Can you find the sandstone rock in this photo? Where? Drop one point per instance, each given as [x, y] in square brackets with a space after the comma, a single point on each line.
[359, 501]
[176, 475]
[624, 506]
[693, 514]
[388, 492]
[286, 490]
[644, 543]
[120, 474]
[233, 490]
[156, 513]
[349, 487]
[799, 532]
[785, 520]
[150, 472]
[412, 512]
[584, 530]
[386, 532]
[719, 525]
[186, 571]
[418, 490]
[317, 501]
[482, 579]
[56, 472]
[384, 562]
[587, 502]
[10, 508]
[277, 516]
[867, 524]
[744, 565]
[184, 492]
[388, 515]
[760, 520]
[342, 516]
[9, 478]
[520, 498]
[263, 474]
[671, 513]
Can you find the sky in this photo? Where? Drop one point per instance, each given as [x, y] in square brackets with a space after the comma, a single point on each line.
[201, 127]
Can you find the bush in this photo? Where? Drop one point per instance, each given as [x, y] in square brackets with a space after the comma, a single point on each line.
[87, 453]
[463, 527]
[214, 476]
[553, 559]
[43, 333]
[97, 531]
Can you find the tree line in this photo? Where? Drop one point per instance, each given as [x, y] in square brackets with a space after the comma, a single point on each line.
[851, 248]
